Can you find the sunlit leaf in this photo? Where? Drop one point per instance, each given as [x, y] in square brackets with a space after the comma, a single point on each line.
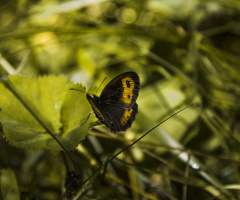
[30, 109]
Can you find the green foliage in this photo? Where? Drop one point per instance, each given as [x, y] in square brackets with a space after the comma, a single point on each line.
[183, 51]
[9, 186]
[32, 110]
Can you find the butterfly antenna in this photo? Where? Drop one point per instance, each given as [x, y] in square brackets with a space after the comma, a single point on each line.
[80, 91]
[101, 84]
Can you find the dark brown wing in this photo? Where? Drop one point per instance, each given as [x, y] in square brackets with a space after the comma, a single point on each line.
[121, 119]
[98, 109]
[122, 91]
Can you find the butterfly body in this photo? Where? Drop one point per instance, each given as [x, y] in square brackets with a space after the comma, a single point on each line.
[116, 107]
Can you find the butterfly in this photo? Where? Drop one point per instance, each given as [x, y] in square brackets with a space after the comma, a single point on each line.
[116, 107]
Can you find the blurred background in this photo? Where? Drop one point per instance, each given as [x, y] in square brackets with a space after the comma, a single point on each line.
[184, 51]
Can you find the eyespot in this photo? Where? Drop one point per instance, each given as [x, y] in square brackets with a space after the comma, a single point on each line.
[128, 84]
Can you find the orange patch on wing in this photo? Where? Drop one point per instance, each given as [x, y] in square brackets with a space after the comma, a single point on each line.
[126, 116]
[128, 86]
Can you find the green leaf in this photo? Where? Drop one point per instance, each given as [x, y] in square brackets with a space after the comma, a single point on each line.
[75, 111]
[32, 109]
[9, 186]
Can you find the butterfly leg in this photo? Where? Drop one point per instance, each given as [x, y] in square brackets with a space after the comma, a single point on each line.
[87, 118]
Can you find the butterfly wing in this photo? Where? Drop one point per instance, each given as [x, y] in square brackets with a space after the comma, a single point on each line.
[98, 109]
[116, 118]
[122, 91]
[121, 119]
[116, 107]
